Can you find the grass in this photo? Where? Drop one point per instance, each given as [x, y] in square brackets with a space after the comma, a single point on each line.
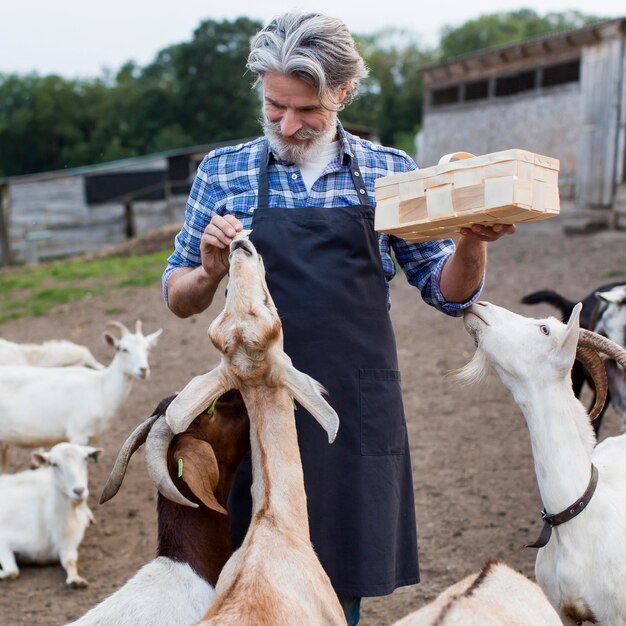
[32, 290]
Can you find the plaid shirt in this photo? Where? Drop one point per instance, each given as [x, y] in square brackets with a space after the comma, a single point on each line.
[227, 182]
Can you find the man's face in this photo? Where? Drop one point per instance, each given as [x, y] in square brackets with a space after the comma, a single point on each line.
[296, 124]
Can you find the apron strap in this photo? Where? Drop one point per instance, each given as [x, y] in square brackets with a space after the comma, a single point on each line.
[264, 189]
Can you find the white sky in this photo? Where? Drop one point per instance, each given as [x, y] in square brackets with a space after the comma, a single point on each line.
[81, 37]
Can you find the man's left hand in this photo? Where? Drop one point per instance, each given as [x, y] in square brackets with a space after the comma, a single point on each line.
[481, 232]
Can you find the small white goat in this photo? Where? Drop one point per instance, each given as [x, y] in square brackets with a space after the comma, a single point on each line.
[53, 353]
[44, 513]
[43, 406]
[275, 577]
[495, 596]
[582, 568]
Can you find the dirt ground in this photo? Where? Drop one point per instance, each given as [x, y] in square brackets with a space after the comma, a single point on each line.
[475, 488]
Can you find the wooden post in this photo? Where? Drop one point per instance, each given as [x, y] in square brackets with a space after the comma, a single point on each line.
[5, 252]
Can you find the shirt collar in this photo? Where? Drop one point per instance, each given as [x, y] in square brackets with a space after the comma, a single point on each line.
[345, 150]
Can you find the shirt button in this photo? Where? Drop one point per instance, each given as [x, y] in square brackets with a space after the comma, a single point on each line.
[294, 176]
[251, 209]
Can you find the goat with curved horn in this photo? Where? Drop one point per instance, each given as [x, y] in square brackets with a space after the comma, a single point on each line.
[581, 558]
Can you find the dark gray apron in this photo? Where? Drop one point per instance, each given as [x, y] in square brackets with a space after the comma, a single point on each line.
[324, 272]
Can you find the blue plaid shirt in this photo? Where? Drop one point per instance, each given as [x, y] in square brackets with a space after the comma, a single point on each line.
[227, 182]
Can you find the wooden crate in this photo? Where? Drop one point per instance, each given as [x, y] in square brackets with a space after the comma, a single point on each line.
[505, 187]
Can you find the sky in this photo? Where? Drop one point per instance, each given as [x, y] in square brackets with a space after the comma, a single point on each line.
[79, 38]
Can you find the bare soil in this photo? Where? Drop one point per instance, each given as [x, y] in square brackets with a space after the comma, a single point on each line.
[475, 488]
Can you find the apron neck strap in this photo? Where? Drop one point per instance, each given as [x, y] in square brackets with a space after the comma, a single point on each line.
[264, 190]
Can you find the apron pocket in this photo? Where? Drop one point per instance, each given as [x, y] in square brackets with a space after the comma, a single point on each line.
[383, 428]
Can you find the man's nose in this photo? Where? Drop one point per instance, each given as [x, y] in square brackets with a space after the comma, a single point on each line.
[290, 123]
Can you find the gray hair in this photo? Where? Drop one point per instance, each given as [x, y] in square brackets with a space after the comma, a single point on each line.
[314, 48]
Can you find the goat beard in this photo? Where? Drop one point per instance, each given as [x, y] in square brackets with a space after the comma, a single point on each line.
[317, 140]
[475, 370]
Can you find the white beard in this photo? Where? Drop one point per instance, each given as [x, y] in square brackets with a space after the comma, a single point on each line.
[317, 141]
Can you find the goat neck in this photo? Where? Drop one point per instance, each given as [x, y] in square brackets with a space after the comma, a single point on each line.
[562, 442]
[116, 384]
[278, 482]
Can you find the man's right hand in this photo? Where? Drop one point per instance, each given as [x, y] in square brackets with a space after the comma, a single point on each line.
[215, 244]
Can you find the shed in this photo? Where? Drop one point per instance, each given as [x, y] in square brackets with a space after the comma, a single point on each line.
[56, 214]
[561, 95]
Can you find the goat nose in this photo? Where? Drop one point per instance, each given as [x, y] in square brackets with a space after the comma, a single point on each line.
[79, 491]
[143, 372]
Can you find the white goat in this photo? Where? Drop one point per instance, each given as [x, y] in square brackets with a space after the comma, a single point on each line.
[43, 406]
[44, 513]
[178, 586]
[582, 568]
[275, 577]
[495, 596]
[53, 353]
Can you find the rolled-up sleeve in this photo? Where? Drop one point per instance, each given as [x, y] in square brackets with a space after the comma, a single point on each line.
[198, 214]
[423, 264]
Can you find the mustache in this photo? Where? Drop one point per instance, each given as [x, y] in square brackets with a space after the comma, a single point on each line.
[303, 133]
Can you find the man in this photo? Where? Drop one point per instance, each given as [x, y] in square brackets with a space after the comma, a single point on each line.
[306, 189]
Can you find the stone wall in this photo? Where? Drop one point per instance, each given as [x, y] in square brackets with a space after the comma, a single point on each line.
[546, 122]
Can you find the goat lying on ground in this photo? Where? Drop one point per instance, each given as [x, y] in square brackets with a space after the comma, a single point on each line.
[54, 353]
[43, 406]
[177, 587]
[44, 513]
[495, 596]
[604, 312]
[582, 568]
[275, 577]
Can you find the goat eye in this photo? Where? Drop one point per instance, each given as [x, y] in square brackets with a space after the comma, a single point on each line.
[545, 329]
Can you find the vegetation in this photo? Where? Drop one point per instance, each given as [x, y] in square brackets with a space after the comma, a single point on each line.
[197, 92]
[33, 290]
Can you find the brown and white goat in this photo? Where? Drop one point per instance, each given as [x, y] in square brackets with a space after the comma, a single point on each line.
[275, 577]
[495, 596]
[177, 587]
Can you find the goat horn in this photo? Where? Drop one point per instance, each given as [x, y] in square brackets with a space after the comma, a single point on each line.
[594, 365]
[138, 328]
[119, 326]
[157, 445]
[589, 339]
[131, 445]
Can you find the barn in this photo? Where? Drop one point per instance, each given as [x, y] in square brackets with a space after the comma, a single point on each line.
[562, 95]
[56, 214]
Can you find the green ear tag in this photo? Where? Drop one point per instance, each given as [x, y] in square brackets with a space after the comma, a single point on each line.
[293, 402]
[211, 409]
[180, 468]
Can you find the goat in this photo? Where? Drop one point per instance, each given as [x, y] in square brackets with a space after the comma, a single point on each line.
[495, 596]
[604, 312]
[582, 567]
[275, 576]
[53, 353]
[44, 512]
[43, 406]
[177, 586]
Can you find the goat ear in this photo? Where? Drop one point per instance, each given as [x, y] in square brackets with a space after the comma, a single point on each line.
[152, 338]
[200, 470]
[195, 398]
[566, 353]
[39, 459]
[109, 339]
[93, 453]
[308, 392]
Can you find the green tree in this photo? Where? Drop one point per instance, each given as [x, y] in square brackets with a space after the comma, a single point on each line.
[498, 29]
[390, 99]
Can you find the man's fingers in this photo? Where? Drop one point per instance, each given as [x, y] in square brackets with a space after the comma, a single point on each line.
[220, 231]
